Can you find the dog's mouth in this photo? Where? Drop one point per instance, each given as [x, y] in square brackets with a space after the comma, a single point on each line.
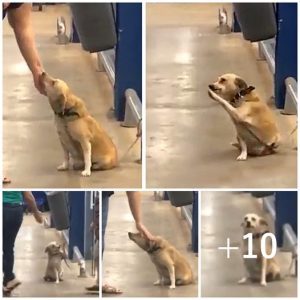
[249, 225]
[46, 79]
[213, 88]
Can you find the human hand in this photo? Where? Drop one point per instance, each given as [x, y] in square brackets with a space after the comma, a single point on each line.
[144, 231]
[39, 85]
[38, 217]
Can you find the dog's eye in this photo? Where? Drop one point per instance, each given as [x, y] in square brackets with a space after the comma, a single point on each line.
[222, 80]
[253, 219]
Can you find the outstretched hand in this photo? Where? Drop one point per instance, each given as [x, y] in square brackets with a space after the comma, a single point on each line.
[144, 231]
[38, 83]
[38, 217]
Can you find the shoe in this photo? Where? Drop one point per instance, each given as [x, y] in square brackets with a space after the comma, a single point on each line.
[11, 285]
[94, 288]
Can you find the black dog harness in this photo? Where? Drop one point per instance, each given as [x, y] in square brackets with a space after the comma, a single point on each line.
[237, 99]
[68, 112]
[152, 250]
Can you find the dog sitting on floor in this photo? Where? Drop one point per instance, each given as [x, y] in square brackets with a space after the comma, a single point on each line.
[54, 271]
[259, 269]
[85, 143]
[172, 268]
[256, 126]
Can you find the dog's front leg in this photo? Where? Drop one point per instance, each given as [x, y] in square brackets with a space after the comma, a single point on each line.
[87, 155]
[263, 280]
[243, 147]
[171, 270]
[65, 164]
[159, 281]
[233, 112]
[57, 276]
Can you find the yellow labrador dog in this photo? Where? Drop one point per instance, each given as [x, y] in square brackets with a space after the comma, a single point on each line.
[83, 140]
[257, 131]
[258, 269]
[172, 268]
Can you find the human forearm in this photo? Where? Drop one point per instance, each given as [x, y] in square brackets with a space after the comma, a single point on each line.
[28, 50]
[134, 200]
[30, 201]
[20, 21]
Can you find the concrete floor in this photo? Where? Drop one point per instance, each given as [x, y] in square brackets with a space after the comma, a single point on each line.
[31, 261]
[126, 266]
[221, 215]
[31, 148]
[188, 135]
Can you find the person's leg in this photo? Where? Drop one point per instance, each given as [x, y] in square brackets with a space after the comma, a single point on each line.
[104, 215]
[106, 288]
[12, 220]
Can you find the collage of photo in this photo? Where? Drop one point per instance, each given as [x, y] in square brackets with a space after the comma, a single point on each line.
[150, 148]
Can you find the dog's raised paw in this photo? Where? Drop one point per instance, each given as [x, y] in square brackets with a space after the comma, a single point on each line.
[86, 173]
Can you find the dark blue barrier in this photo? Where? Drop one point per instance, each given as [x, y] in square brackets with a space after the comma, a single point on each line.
[128, 65]
[285, 49]
[286, 212]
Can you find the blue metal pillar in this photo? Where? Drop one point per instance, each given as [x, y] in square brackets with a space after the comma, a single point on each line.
[77, 219]
[195, 224]
[88, 219]
[286, 212]
[285, 49]
[128, 64]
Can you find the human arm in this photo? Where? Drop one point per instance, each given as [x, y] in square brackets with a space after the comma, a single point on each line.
[20, 20]
[30, 201]
[134, 200]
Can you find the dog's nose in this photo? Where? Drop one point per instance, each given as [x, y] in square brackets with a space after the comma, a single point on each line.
[248, 224]
[211, 86]
[43, 73]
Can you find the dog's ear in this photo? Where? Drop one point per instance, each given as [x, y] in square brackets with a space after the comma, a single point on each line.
[247, 91]
[242, 224]
[263, 222]
[240, 83]
[47, 249]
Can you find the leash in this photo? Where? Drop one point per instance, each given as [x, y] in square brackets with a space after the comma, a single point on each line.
[293, 261]
[295, 128]
[138, 136]
[64, 257]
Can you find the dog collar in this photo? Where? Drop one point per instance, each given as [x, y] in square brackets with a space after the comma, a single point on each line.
[244, 92]
[152, 250]
[238, 97]
[259, 234]
[68, 112]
